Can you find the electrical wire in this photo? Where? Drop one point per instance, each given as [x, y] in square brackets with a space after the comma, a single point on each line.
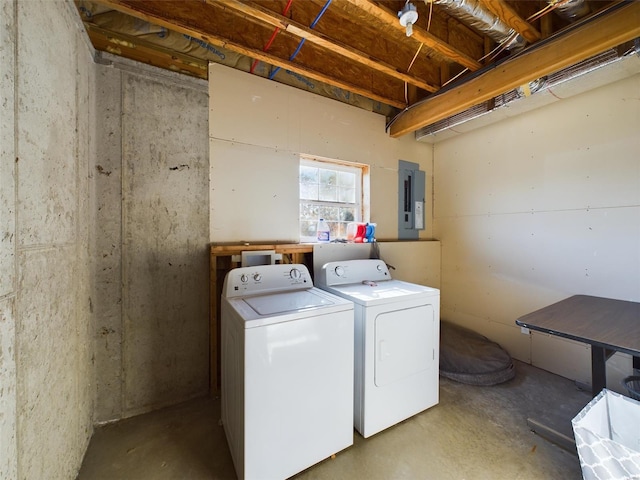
[499, 62]
[273, 36]
[297, 50]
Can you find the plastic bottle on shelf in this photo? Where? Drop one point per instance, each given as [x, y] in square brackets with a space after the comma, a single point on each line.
[323, 231]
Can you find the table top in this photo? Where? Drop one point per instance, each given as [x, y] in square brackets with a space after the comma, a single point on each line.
[604, 322]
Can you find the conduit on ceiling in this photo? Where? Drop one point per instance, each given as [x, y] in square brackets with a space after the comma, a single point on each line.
[295, 53]
[267, 45]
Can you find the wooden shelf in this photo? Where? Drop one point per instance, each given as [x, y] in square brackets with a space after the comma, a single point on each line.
[220, 262]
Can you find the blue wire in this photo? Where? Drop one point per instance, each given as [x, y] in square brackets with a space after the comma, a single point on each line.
[297, 50]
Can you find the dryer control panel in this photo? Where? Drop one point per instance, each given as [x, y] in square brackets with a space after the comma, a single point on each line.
[262, 279]
[353, 271]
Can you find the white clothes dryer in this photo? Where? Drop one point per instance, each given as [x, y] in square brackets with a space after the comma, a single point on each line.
[397, 338]
[287, 376]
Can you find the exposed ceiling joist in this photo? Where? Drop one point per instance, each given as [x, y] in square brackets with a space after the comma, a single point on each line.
[145, 52]
[420, 35]
[193, 28]
[278, 21]
[605, 31]
[511, 18]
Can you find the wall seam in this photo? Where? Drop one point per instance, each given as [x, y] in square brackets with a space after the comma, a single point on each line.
[123, 291]
[78, 249]
[16, 270]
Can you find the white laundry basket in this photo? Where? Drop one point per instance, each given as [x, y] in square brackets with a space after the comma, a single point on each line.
[607, 433]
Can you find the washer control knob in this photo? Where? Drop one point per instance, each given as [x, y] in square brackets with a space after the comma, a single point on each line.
[339, 271]
[379, 267]
[244, 278]
[295, 274]
[257, 277]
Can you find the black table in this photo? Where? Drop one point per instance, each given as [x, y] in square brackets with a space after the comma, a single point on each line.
[607, 325]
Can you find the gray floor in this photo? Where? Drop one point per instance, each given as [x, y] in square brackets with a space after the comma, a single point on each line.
[473, 433]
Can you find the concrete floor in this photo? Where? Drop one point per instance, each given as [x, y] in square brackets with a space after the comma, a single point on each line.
[473, 433]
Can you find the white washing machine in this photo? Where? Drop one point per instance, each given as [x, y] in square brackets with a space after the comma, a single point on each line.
[397, 339]
[287, 376]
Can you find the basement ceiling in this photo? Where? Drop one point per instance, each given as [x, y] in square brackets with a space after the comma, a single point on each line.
[460, 54]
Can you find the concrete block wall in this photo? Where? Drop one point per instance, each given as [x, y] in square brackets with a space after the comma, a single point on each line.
[45, 374]
[8, 374]
[151, 187]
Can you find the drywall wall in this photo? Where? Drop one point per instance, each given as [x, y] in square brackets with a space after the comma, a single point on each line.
[537, 208]
[151, 170]
[410, 261]
[45, 374]
[258, 129]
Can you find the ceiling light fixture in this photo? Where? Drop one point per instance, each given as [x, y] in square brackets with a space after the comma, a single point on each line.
[408, 16]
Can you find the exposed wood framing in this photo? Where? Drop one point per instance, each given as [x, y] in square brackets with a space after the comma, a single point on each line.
[419, 35]
[510, 17]
[272, 18]
[192, 28]
[146, 52]
[604, 32]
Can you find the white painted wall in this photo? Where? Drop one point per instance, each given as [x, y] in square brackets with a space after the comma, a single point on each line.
[151, 294]
[537, 208]
[258, 128]
[45, 374]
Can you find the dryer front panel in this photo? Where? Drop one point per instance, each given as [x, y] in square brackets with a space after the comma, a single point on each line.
[403, 344]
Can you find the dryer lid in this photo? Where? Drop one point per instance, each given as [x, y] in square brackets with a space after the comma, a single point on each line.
[389, 291]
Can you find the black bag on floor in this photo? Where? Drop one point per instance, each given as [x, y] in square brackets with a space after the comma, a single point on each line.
[468, 357]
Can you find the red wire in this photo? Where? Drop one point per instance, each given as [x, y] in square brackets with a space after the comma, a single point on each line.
[273, 36]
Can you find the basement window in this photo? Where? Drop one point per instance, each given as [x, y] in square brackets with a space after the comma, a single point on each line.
[334, 190]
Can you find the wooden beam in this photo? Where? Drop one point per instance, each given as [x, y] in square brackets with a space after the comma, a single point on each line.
[267, 16]
[145, 52]
[510, 17]
[604, 32]
[419, 34]
[137, 9]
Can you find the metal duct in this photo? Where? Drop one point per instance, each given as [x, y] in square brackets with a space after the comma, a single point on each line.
[570, 10]
[475, 15]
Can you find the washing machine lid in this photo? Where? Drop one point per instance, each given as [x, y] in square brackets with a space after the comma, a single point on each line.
[278, 307]
[278, 303]
[370, 293]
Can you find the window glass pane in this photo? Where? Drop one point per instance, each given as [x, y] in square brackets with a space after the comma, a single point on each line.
[330, 214]
[347, 195]
[347, 214]
[328, 193]
[346, 179]
[308, 228]
[329, 190]
[308, 212]
[328, 177]
[342, 230]
[308, 174]
[308, 192]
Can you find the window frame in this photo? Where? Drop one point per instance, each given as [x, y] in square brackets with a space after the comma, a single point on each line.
[362, 188]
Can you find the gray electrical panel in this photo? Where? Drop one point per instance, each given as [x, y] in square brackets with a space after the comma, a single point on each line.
[411, 200]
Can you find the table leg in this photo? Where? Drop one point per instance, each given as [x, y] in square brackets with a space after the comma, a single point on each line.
[598, 369]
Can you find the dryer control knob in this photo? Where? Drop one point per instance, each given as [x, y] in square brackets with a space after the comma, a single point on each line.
[339, 271]
[379, 267]
[244, 278]
[295, 274]
[257, 277]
